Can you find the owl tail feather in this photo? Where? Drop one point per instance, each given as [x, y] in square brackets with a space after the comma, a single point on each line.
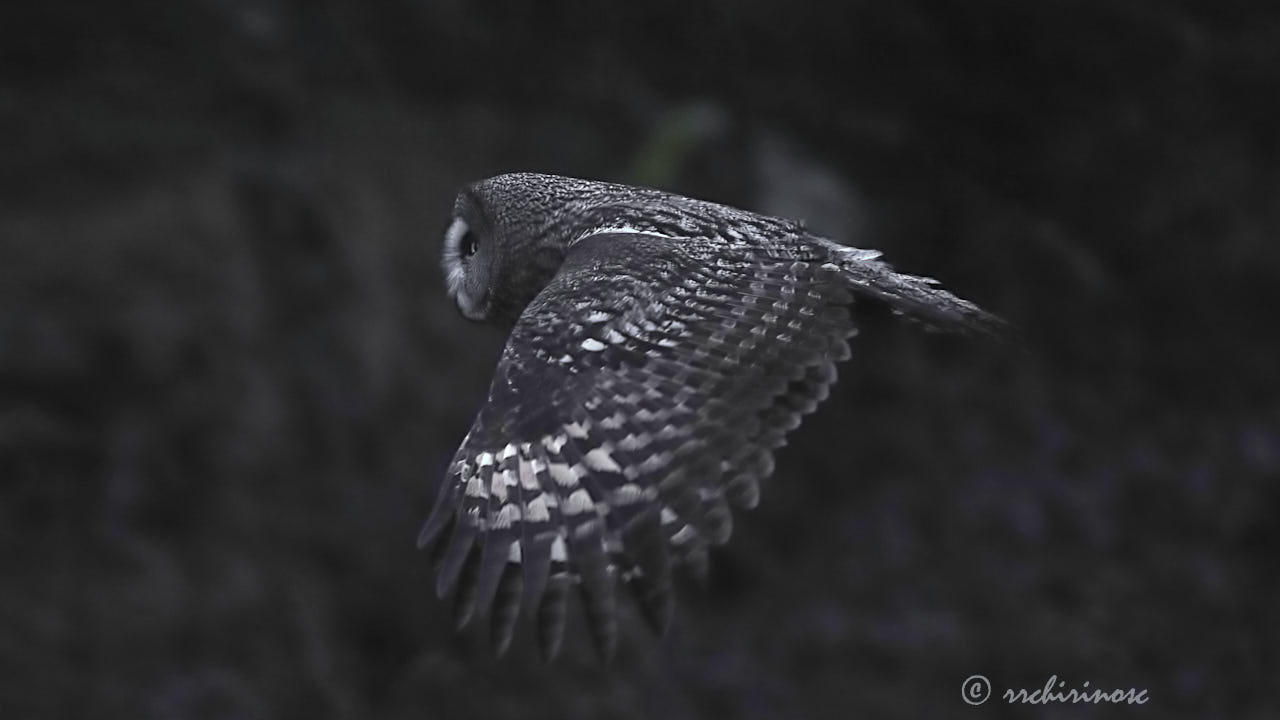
[918, 298]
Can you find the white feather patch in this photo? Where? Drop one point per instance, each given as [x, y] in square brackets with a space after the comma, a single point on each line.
[506, 517]
[655, 462]
[524, 465]
[558, 551]
[600, 460]
[579, 502]
[577, 429]
[635, 441]
[684, 535]
[628, 494]
[537, 509]
[618, 229]
[564, 475]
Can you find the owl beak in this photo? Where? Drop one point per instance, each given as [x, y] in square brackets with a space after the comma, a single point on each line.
[473, 311]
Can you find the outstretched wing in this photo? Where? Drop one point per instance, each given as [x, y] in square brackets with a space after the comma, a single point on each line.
[640, 394]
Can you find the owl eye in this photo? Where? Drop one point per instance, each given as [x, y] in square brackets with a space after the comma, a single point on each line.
[469, 244]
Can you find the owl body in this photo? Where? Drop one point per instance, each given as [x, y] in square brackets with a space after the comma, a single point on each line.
[661, 349]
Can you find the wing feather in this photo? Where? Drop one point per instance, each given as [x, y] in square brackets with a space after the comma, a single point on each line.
[444, 510]
[466, 527]
[538, 525]
[639, 398]
[502, 528]
[506, 607]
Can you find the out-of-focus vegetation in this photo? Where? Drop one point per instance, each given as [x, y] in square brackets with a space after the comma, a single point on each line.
[229, 379]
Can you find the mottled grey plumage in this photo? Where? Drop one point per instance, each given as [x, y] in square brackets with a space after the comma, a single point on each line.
[662, 348]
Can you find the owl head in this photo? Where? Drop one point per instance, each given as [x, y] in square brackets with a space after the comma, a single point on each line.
[506, 239]
[509, 234]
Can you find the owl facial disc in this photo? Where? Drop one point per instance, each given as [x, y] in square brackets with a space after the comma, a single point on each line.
[458, 248]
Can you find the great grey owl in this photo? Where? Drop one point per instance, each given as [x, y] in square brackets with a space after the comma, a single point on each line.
[661, 349]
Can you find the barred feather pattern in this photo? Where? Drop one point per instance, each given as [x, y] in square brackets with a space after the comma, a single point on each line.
[640, 396]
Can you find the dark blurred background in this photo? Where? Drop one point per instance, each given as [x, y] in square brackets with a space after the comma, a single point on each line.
[230, 379]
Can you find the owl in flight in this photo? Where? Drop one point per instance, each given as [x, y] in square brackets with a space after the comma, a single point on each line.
[661, 349]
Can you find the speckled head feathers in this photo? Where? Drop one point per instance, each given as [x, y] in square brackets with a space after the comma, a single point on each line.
[510, 232]
[508, 236]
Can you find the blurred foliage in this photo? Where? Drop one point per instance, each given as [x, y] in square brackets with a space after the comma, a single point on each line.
[229, 379]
